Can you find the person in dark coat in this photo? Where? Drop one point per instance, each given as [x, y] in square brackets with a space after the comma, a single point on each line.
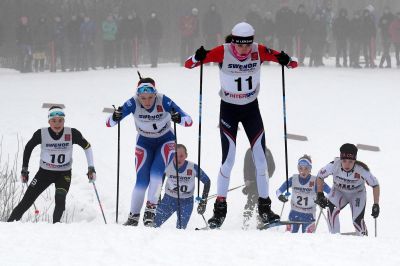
[254, 18]
[57, 44]
[87, 33]
[302, 24]
[73, 39]
[355, 28]
[285, 29]
[212, 27]
[268, 29]
[341, 33]
[24, 43]
[384, 24]
[368, 33]
[250, 189]
[318, 34]
[394, 31]
[154, 32]
[109, 34]
[41, 39]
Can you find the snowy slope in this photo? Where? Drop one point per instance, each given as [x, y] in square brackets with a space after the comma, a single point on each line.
[330, 106]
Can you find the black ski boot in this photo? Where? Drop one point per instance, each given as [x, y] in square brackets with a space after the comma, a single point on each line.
[218, 218]
[149, 214]
[133, 220]
[267, 216]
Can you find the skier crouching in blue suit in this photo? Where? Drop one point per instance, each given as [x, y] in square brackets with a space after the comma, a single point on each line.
[155, 145]
[187, 171]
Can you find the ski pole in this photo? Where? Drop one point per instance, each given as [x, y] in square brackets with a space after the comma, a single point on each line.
[215, 195]
[199, 139]
[376, 227]
[98, 199]
[283, 206]
[118, 163]
[204, 219]
[177, 176]
[284, 127]
[319, 217]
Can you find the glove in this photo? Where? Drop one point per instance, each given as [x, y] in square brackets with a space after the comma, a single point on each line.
[283, 198]
[321, 200]
[200, 54]
[202, 207]
[375, 210]
[245, 191]
[91, 174]
[176, 117]
[283, 58]
[117, 115]
[24, 175]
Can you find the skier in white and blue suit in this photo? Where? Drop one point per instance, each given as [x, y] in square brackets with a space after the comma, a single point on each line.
[187, 173]
[304, 193]
[155, 145]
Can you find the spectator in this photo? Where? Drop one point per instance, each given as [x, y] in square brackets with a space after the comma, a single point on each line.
[317, 40]
[212, 27]
[73, 39]
[368, 35]
[268, 29]
[24, 43]
[41, 40]
[137, 31]
[302, 24]
[395, 36]
[254, 18]
[109, 30]
[284, 22]
[189, 27]
[340, 31]
[355, 40]
[154, 33]
[87, 32]
[384, 24]
[57, 45]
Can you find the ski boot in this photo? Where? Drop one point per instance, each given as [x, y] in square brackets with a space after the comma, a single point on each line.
[267, 216]
[218, 218]
[133, 220]
[149, 214]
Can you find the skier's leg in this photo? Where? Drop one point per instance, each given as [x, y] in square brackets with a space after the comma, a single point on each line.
[62, 183]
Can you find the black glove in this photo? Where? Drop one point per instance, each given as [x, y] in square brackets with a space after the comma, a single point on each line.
[117, 115]
[245, 191]
[200, 54]
[321, 200]
[375, 210]
[283, 198]
[176, 117]
[283, 58]
[24, 175]
[202, 207]
[91, 174]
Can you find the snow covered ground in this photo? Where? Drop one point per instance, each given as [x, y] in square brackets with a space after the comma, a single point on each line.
[330, 106]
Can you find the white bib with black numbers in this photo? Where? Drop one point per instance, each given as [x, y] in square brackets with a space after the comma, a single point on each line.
[56, 155]
[303, 196]
[186, 181]
[152, 124]
[240, 80]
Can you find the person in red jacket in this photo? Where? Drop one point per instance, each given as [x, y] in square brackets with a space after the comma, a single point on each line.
[240, 65]
[394, 31]
[189, 27]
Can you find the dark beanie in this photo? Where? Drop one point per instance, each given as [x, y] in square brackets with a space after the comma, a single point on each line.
[348, 151]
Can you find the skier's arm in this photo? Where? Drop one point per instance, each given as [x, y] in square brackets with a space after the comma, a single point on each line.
[32, 143]
[267, 54]
[322, 174]
[128, 107]
[169, 106]
[215, 55]
[326, 188]
[77, 138]
[282, 188]
[372, 181]
[206, 182]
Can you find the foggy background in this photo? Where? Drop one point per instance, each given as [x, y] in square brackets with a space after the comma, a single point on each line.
[170, 14]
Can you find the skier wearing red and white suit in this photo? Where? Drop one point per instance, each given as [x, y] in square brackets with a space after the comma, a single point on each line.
[240, 64]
